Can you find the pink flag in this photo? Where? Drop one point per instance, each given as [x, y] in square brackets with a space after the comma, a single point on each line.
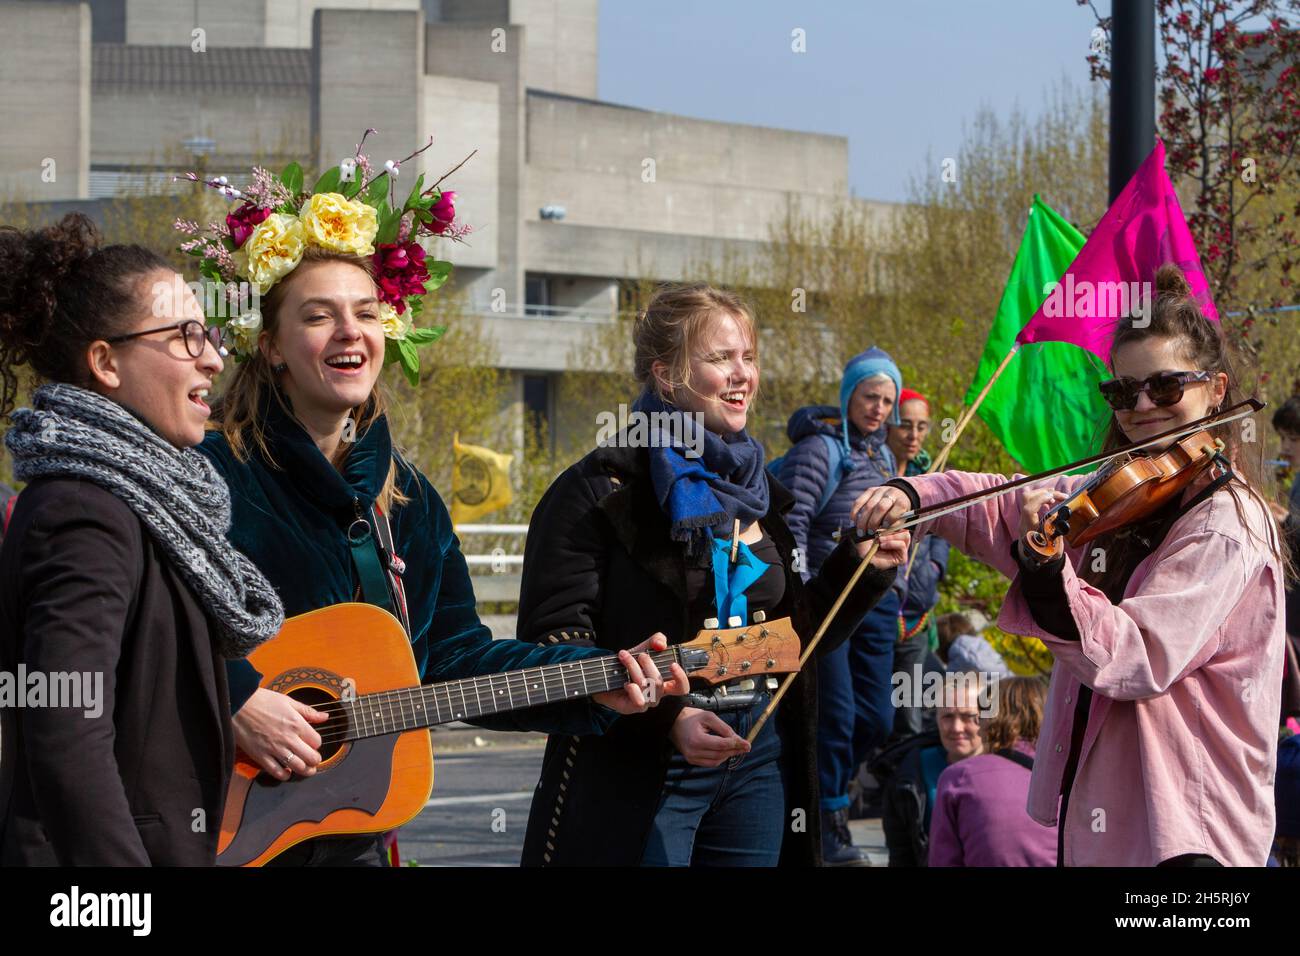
[1114, 273]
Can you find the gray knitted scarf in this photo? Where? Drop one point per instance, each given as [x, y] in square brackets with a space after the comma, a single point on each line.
[74, 433]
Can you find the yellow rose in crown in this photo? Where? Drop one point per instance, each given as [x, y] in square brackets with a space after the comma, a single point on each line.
[343, 225]
[395, 326]
[272, 251]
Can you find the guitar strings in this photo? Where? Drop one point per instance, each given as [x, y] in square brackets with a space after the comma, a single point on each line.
[605, 667]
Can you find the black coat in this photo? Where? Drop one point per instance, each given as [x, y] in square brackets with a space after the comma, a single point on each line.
[85, 588]
[600, 567]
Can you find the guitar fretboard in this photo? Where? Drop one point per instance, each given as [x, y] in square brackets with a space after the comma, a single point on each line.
[410, 708]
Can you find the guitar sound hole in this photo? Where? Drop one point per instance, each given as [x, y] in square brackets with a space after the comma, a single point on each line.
[331, 731]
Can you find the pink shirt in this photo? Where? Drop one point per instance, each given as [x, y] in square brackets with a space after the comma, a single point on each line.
[1186, 670]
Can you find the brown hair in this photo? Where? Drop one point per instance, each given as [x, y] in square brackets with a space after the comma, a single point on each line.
[237, 412]
[1020, 713]
[1175, 315]
[60, 290]
[673, 325]
[950, 627]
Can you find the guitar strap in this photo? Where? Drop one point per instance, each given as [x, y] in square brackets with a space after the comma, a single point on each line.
[394, 566]
[379, 569]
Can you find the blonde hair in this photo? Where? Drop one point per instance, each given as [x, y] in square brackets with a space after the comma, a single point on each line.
[673, 326]
[236, 413]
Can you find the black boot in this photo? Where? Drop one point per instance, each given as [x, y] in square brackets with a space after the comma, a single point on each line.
[837, 843]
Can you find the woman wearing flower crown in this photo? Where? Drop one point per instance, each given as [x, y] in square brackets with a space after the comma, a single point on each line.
[304, 444]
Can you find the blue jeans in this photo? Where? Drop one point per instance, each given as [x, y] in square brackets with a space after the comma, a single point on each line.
[854, 711]
[730, 815]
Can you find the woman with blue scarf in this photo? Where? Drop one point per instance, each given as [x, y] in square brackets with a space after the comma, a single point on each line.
[639, 537]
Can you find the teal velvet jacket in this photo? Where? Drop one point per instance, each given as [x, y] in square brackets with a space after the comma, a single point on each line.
[292, 523]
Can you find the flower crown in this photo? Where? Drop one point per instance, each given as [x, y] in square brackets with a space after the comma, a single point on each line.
[350, 210]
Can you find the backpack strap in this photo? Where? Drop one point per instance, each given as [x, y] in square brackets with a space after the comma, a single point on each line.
[834, 462]
[1015, 756]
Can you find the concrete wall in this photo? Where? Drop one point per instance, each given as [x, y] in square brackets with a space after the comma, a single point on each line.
[561, 36]
[351, 94]
[288, 22]
[279, 23]
[466, 50]
[463, 116]
[615, 167]
[170, 22]
[598, 296]
[44, 99]
[141, 126]
[568, 249]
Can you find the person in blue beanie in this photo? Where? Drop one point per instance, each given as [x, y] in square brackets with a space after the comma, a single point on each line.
[837, 454]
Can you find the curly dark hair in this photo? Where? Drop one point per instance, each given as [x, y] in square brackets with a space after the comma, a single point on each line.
[61, 290]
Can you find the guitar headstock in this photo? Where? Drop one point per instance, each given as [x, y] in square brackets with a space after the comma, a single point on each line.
[717, 655]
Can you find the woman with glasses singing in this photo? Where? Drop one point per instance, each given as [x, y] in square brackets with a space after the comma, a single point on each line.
[1160, 734]
[121, 598]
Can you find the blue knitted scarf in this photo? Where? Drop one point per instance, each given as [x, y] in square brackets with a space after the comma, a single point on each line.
[706, 493]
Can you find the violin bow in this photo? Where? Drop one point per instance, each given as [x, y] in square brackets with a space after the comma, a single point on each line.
[912, 518]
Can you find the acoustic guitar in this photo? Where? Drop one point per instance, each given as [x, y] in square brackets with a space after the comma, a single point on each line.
[354, 662]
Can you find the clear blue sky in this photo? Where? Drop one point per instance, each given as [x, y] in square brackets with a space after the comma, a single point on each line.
[897, 77]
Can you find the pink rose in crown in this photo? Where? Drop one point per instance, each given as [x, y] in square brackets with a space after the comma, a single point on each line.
[444, 213]
[243, 221]
[399, 272]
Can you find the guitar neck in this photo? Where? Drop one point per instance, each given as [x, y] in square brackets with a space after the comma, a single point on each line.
[411, 708]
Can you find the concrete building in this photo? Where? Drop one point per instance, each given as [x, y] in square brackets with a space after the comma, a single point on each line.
[570, 196]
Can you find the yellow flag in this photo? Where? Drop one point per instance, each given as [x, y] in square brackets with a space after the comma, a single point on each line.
[480, 481]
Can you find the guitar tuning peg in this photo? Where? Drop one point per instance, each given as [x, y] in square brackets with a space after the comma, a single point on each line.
[735, 621]
[711, 623]
[760, 617]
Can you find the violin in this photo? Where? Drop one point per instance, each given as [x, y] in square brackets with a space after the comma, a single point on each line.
[1126, 491]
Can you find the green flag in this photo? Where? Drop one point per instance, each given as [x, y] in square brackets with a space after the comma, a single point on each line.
[1044, 407]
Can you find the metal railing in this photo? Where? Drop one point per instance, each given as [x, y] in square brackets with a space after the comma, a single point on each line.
[503, 584]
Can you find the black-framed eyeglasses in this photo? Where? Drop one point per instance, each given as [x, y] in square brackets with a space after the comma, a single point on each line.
[195, 333]
[1165, 389]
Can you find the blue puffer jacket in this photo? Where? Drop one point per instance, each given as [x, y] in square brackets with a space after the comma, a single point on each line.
[805, 472]
[928, 567]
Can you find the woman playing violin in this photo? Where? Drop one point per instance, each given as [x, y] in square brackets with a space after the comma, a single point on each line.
[1160, 734]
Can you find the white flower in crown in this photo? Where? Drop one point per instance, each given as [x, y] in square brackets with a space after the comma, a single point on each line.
[395, 326]
[244, 330]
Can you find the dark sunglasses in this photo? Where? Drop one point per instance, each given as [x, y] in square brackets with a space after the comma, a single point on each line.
[196, 335]
[1165, 389]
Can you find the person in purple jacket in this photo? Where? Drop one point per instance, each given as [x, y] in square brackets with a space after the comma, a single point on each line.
[979, 816]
